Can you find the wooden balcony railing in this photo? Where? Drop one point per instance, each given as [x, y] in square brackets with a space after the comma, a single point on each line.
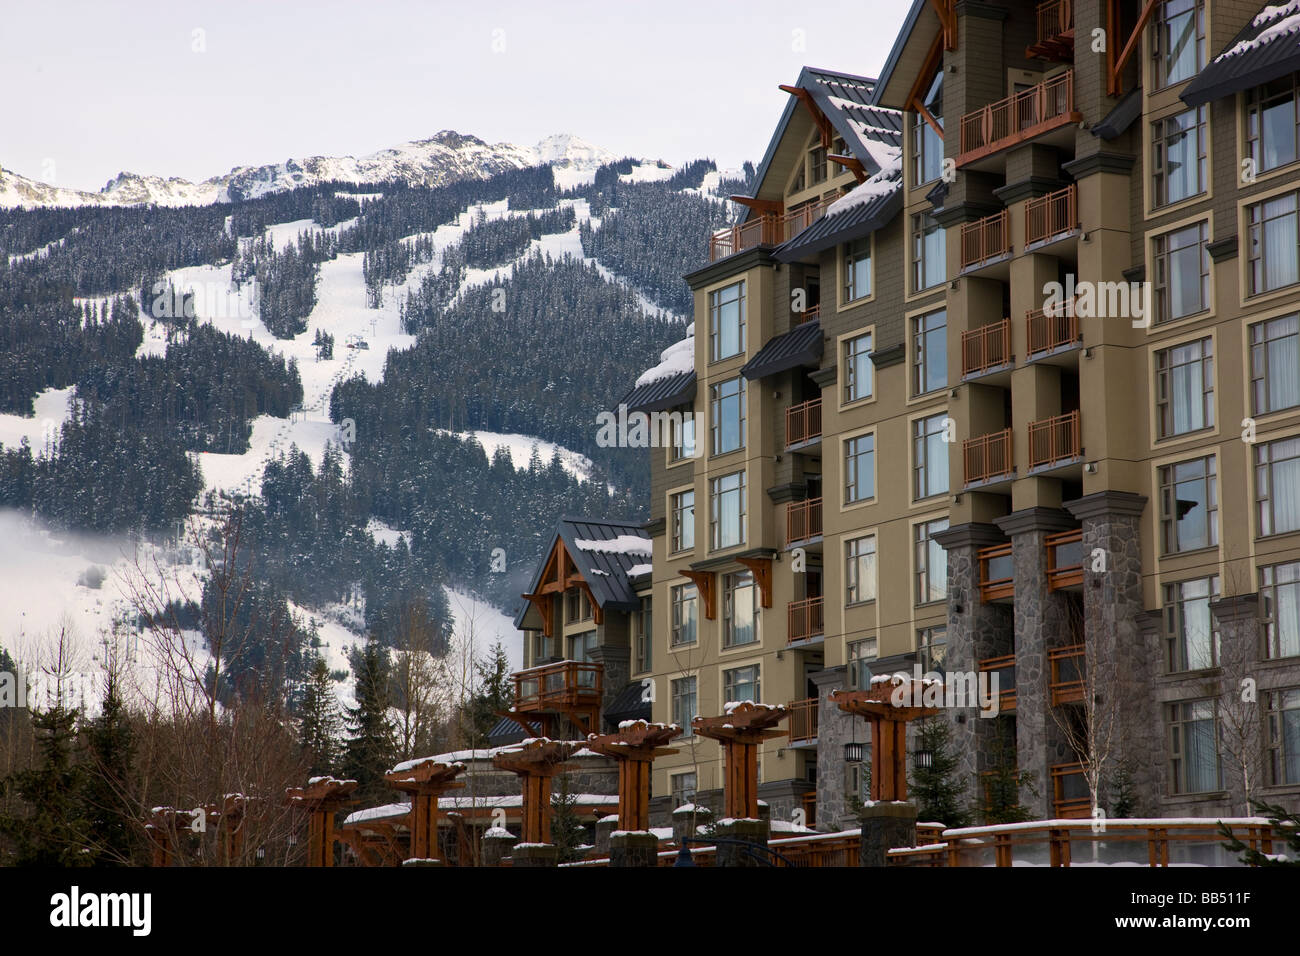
[805, 619]
[559, 685]
[985, 347]
[1055, 31]
[797, 220]
[802, 725]
[1054, 440]
[803, 422]
[985, 239]
[988, 456]
[1005, 668]
[803, 520]
[1048, 329]
[1071, 799]
[1064, 559]
[762, 230]
[1067, 667]
[807, 315]
[1052, 215]
[1019, 117]
[997, 573]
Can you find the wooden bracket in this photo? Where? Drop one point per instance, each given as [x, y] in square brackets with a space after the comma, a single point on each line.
[704, 582]
[818, 117]
[1115, 63]
[947, 13]
[933, 63]
[762, 569]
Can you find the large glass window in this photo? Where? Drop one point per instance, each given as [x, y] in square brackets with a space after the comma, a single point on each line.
[860, 569]
[927, 152]
[727, 321]
[727, 405]
[685, 601]
[930, 457]
[857, 270]
[683, 789]
[931, 562]
[741, 684]
[1273, 124]
[727, 510]
[739, 609]
[685, 703]
[1274, 237]
[682, 425]
[683, 518]
[857, 367]
[1279, 595]
[929, 264]
[860, 655]
[1193, 747]
[1178, 156]
[1182, 272]
[1191, 635]
[859, 468]
[1185, 387]
[645, 636]
[1277, 485]
[1275, 365]
[929, 352]
[1283, 736]
[1189, 505]
[1178, 47]
[932, 647]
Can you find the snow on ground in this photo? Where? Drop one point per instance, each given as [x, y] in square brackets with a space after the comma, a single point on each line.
[271, 437]
[477, 626]
[383, 534]
[43, 427]
[647, 173]
[521, 448]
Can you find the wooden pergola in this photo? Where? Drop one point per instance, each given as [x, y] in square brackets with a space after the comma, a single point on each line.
[321, 799]
[425, 780]
[635, 747]
[536, 761]
[226, 818]
[888, 729]
[740, 730]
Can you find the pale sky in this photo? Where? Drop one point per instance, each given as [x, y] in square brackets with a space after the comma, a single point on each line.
[97, 87]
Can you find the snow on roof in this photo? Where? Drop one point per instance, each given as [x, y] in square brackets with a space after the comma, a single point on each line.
[371, 814]
[881, 184]
[491, 801]
[623, 544]
[734, 705]
[1277, 21]
[639, 569]
[674, 360]
[420, 761]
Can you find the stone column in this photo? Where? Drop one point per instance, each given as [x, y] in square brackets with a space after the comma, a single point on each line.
[835, 728]
[634, 849]
[976, 631]
[1241, 728]
[1114, 620]
[885, 826]
[617, 661]
[498, 843]
[754, 832]
[604, 827]
[534, 855]
[687, 822]
[1043, 621]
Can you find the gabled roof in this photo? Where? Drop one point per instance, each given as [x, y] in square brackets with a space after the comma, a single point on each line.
[912, 43]
[603, 553]
[1267, 48]
[853, 221]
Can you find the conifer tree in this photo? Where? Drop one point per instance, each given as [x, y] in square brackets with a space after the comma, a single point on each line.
[52, 831]
[319, 725]
[494, 693]
[566, 829]
[110, 749]
[370, 748]
[935, 789]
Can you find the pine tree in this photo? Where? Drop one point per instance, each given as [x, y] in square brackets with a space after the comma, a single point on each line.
[494, 693]
[52, 831]
[936, 790]
[1123, 795]
[371, 747]
[1284, 822]
[319, 724]
[1002, 788]
[110, 747]
[566, 829]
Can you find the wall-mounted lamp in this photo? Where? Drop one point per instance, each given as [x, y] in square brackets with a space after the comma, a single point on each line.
[1090, 468]
[1087, 353]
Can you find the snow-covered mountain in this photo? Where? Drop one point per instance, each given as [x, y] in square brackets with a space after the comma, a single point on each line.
[445, 157]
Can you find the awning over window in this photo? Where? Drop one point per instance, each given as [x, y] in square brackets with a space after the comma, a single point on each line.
[662, 394]
[802, 345]
[1267, 48]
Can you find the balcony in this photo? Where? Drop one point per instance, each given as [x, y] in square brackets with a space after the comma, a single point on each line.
[997, 573]
[987, 457]
[1054, 441]
[1055, 39]
[797, 220]
[807, 315]
[803, 521]
[1052, 216]
[802, 726]
[806, 620]
[1014, 119]
[803, 423]
[1064, 560]
[985, 239]
[1071, 799]
[562, 686]
[984, 348]
[1005, 668]
[762, 230]
[1067, 666]
[1049, 330]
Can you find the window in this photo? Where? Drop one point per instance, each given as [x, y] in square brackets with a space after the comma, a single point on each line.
[581, 647]
[1182, 272]
[727, 404]
[1178, 29]
[859, 468]
[930, 456]
[1277, 486]
[1191, 634]
[682, 426]
[644, 636]
[727, 322]
[1193, 745]
[860, 569]
[577, 606]
[686, 602]
[742, 684]
[861, 654]
[1275, 365]
[739, 610]
[1274, 254]
[727, 510]
[929, 352]
[683, 788]
[683, 508]
[685, 704]
[857, 368]
[928, 254]
[1178, 156]
[1283, 736]
[1189, 505]
[541, 648]
[931, 563]
[1273, 124]
[927, 151]
[931, 646]
[857, 777]
[1280, 598]
[1185, 388]
[816, 165]
[857, 270]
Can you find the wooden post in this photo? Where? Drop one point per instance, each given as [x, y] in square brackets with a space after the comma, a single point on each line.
[635, 748]
[888, 728]
[740, 730]
[426, 780]
[321, 799]
[536, 762]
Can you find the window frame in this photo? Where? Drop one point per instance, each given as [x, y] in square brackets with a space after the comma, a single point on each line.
[1168, 482]
[919, 363]
[1162, 259]
[733, 582]
[854, 562]
[680, 598]
[716, 498]
[716, 304]
[718, 405]
[1164, 397]
[1263, 464]
[852, 476]
[1162, 135]
[1174, 623]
